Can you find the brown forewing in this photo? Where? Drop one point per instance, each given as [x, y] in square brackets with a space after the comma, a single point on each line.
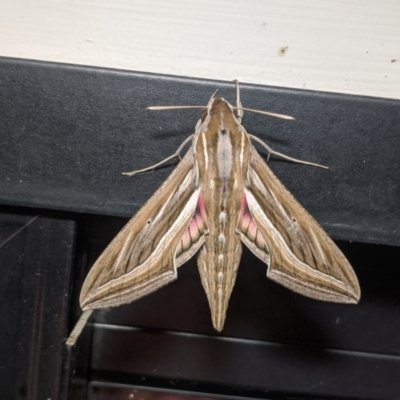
[302, 256]
[140, 259]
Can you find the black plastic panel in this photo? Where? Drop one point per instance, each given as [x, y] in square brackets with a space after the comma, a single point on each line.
[68, 132]
[273, 339]
[36, 270]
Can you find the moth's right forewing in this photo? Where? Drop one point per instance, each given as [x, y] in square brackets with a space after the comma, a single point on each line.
[141, 257]
[302, 256]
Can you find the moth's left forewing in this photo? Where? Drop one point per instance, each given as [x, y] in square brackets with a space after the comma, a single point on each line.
[301, 255]
[141, 258]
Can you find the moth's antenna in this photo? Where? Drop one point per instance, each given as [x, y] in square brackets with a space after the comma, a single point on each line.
[270, 114]
[163, 108]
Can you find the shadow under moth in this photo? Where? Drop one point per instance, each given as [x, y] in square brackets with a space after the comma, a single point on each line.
[221, 195]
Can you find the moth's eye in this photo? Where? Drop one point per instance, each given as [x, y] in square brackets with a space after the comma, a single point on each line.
[203, 115]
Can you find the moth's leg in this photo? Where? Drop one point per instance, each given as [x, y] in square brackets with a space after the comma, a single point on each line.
[239, 105]
[175, 155]
[270, 151]
[78, 328]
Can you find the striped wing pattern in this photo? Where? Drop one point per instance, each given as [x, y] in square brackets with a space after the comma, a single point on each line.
[141, 258]
[300, 255]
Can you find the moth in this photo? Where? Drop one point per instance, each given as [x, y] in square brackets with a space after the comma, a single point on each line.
[221, 195]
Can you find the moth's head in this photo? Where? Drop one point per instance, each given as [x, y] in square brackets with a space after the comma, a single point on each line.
[217, 108]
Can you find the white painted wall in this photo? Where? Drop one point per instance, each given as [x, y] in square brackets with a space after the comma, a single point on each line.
[341, 46]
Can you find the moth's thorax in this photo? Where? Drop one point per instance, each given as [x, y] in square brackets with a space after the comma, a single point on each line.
[222, 145]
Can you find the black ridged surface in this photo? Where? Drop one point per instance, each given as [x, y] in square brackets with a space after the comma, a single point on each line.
[35, 282]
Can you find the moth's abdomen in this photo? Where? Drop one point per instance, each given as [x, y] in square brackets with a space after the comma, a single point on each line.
[218, 261]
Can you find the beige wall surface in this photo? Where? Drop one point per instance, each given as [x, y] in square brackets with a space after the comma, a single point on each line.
[339, 46]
